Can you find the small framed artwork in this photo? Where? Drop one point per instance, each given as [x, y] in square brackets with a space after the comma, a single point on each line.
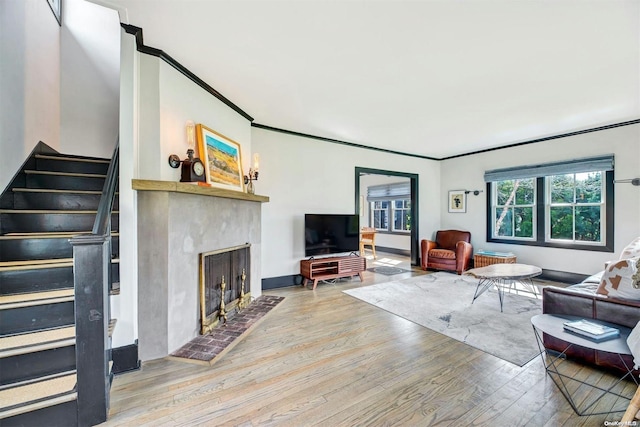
[222, 159]
[457, 201]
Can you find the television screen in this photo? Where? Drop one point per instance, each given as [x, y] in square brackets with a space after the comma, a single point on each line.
[331, 234]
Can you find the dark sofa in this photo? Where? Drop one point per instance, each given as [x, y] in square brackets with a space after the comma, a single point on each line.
[581, 300]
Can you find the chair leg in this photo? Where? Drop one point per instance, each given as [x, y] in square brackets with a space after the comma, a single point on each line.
[632, 409]
[373, 249]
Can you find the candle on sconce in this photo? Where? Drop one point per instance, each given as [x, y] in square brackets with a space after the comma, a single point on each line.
[256, 162]
[191, 134]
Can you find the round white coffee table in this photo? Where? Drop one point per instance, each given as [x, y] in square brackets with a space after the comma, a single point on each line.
[503, 276]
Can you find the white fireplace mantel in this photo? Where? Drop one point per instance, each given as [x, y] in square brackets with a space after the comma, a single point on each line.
[176, 223]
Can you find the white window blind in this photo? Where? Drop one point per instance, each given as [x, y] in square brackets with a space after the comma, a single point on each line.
[590, 164]
[398, 190]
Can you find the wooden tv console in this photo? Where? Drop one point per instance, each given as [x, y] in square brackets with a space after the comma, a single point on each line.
[331, 268]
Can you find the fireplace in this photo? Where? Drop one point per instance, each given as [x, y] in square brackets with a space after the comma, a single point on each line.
[224, 274]
[178, 222]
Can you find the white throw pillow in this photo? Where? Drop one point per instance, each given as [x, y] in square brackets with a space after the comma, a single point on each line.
[632, 250]
[633, 341]
[621, 279]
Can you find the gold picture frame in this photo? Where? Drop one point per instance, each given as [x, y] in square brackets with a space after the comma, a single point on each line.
[222, 159]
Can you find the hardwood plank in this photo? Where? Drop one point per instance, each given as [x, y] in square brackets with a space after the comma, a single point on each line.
[326, 358]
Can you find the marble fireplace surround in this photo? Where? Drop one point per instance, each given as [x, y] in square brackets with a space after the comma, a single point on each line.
[177, 222]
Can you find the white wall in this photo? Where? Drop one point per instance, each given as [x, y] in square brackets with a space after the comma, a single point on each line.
[467, 173]
[388, 240]
[155, 103]
[29, 82]
[302, 175]
[124, 307]
[89, 79]
[167, 100]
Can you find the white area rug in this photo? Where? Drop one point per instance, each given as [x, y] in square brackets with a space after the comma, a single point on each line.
[442, 302]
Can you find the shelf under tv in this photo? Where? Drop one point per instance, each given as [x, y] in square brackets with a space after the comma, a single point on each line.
[317, 269]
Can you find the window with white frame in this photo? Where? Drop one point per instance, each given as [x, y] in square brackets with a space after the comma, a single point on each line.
[514, 208]
[564, 204]
[380, 214]
[390, 207]
[575, 207]
[401, 215]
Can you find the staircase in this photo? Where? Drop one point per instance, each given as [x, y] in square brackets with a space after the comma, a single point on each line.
[52, 198]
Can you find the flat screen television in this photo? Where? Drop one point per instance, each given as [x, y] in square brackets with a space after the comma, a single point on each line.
[327, 234]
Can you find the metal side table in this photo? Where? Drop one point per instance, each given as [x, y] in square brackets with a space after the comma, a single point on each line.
[553, 325]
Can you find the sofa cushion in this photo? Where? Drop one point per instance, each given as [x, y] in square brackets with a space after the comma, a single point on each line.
[620, 280]
[632, 250]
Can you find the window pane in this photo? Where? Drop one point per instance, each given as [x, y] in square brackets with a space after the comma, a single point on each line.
[384, 220]
[562, 188]
[503, 191]
[523, 222]
[397, 220]
[588, 223]
[589, 187]
[504, 222]
[524, 191]
[561, 222]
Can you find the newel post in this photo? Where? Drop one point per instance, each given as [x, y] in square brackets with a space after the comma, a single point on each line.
[92, 277]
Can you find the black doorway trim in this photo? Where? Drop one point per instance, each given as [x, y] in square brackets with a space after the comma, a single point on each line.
[137, 32]
[413, 178]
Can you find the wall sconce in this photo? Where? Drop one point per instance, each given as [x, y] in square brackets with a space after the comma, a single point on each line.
[634, 181]
[253, 174]
[192, 167]
[475, 192]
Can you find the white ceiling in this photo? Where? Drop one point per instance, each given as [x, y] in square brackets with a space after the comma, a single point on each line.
[432, 78]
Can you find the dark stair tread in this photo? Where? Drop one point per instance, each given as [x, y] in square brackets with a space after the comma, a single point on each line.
[31, 342]
[74, 174]
[50, 190]
[22, 398]
[72, 158]
[56, 191]
[49, 211]
[115, 288]
[48, 235]
[41, 263]
[35, 298]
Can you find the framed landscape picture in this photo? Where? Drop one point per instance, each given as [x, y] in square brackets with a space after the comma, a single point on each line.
[221, 158]
[457, 201]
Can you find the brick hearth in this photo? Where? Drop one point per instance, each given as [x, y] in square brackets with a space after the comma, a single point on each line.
[211, 347]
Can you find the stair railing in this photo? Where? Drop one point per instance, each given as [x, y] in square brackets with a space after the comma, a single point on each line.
[92, 283]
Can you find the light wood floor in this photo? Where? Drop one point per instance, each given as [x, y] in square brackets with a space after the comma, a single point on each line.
[325, 358]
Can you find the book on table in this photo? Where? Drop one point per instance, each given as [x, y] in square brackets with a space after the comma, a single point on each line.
[591, 330]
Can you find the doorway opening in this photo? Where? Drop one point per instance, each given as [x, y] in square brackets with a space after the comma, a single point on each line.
[390, 224]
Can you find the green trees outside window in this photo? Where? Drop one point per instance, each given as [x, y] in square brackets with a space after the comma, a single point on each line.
[514, 208]
[573, 208]
[576, 207]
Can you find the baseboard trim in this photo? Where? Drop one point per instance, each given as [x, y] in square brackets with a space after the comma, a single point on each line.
[296, 279]
[396, 251]
[281, 281]
[562, 276]
[125, 358]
